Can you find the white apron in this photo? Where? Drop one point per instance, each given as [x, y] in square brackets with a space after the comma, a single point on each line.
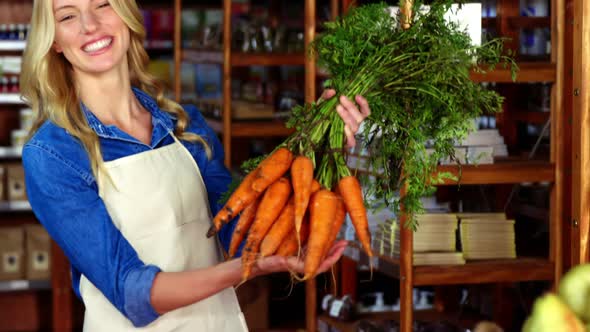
[160, 205]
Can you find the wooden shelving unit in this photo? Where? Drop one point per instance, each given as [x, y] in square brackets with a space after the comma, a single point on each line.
[548, 268]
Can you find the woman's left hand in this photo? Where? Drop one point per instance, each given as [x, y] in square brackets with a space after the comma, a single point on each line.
[351, 114]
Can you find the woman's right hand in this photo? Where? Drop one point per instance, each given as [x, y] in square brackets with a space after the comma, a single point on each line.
[273, 264]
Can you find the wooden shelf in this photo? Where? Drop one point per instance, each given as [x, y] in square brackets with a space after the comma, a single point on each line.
[200, 56]
[501, 173]
[538, 118]
[11, 98]
[9, 152]
[24, 285]
[239, 59]
[520, 22]
[528, 72]
[268, 128]
[473, 272]
[352, 326]
[19, 206]
[12, 45]
[266, 59]
[528, 22]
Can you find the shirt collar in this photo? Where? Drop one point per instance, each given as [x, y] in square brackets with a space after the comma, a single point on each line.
[159, 117]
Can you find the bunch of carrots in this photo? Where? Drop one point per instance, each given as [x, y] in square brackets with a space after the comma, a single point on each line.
[282, 208]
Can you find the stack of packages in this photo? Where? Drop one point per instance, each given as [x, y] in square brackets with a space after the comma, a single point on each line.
[434, 240]
[487, 236]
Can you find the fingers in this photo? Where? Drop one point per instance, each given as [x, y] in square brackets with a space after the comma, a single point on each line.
[328, 93]
[350, 140]
[364, 106]
[354, 113]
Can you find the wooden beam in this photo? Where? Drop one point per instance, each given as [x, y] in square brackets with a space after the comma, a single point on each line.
[557, 134]
[310, 96]
[177, 49]
[567, 121]
[581, 129]
[406, 270]
[226, 113]
[61, 290]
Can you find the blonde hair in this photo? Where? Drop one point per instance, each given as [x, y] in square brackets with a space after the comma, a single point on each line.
[47, 83]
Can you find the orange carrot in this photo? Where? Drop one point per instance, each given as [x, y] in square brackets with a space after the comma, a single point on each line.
[272, 168]
[269, 209]
[242, 227]
[315, 186]
[323, 207]
[279, 230]
[240, 198]
[350, 189]
[302, 179]
[338, 222]
[289, 247]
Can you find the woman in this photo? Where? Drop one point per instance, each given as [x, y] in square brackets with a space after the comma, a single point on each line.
[122, 178]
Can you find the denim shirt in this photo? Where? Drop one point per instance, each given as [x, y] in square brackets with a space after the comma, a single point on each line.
[63, 193]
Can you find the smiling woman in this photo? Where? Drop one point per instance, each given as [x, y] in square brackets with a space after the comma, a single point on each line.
[125, 181]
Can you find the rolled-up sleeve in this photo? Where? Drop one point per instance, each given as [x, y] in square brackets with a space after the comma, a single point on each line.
[66, 202]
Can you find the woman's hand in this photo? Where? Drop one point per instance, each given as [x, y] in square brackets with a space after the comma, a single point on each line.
[273, 264]
[351, 114]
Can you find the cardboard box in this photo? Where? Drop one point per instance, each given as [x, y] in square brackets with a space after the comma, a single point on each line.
[253, 297]
[15, 183]
[38, 253]
[12, 262]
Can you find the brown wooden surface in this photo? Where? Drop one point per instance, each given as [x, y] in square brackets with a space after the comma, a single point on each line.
[177, 48]
[348, 278]
[501, 173]
[25, 311]
[406, 277]
[226, 115]
[524, 22]
[528, 72]
[567, 93]
[61, 290]
[266, 59]
[310, 96]
[581, 129]
[489, 271]
[538, 118]
[557, 139]
[252, 128]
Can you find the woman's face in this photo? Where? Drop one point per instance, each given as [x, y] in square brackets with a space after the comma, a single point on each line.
[90, 34]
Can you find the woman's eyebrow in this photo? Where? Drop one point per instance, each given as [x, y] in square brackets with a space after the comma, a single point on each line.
[62, 7]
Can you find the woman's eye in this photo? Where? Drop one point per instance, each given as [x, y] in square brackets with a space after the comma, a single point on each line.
[106, 4]
[67, 17]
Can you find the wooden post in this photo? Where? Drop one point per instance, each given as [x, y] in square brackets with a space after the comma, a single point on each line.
[310, 96]
[567, 90]
[177, 49]
[581, 131]
[406, 271]
[61, 290]
[226, 114]
[557, 134]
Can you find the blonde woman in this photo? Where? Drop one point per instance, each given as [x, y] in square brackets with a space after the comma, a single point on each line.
[125, 181]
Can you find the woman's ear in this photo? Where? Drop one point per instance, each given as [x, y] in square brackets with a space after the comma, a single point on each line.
[57, 48]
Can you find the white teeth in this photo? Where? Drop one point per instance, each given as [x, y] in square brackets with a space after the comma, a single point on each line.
[98, 45]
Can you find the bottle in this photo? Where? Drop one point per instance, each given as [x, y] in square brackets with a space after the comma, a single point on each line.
[4, 85]
[12, 32]
[22, 35]
[14, 85]
[3, 32]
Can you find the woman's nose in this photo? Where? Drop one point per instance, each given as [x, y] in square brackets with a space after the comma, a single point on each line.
[89, 22]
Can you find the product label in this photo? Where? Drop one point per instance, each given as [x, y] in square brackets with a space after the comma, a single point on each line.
[40, 260]
[10, 262]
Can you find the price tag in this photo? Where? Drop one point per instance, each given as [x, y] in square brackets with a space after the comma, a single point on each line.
[336, 307]
[18, 284]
